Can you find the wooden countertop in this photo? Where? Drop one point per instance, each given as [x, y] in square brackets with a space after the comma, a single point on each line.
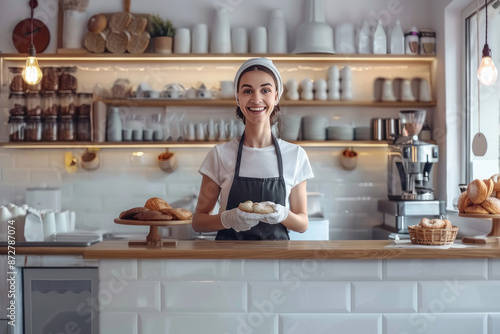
[204, 249]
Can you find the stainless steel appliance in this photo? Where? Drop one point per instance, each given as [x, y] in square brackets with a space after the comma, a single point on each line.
[410, 181]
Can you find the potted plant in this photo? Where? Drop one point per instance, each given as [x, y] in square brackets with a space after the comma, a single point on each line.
[162, 31]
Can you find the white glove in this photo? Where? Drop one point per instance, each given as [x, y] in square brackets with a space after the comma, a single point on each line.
[240, 220]
[280, 213]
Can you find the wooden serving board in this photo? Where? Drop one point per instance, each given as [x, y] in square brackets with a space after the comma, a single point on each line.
[153, 239]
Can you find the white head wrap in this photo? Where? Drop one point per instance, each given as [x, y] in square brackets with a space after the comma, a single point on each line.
[267, 63]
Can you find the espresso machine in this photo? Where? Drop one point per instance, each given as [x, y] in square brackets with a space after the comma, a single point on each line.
[410, 181]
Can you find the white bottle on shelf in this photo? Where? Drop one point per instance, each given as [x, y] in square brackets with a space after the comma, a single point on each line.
[379, 39]
[277, 42]
[396, 39]
[363, 39]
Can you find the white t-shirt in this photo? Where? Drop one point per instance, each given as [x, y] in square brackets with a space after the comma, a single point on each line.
[220, 162]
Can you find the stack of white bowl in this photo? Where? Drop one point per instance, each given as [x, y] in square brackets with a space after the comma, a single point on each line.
[290, 127]
[340, 132]
[313, 128]
[362, 133]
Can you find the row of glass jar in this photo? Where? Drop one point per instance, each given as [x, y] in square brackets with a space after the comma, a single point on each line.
[50, 103]
[49, 128]
[54, 78]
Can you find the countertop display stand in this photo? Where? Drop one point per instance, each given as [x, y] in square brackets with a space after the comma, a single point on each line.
[492, 237]
[153, 239]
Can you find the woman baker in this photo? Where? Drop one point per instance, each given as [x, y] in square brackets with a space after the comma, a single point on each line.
[257, 167]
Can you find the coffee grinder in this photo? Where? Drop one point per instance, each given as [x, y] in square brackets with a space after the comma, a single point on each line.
[410, 186]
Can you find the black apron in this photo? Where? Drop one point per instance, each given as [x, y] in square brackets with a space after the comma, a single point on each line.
[256, 190]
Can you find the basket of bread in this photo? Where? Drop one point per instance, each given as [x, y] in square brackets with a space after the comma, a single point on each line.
[433, 232]
[156, 209]
[481, 197]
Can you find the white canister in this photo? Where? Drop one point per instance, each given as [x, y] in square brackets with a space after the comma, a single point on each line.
[74, 29]
[114, 125]
[258, 41]
[239, 40]
[199, 38]
[221, 32]
[277, 42]
[182, 41]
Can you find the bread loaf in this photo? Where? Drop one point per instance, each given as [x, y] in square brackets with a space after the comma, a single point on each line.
[138, 43]
[117, 42]
[96, 42]
[119, 22]
[478, 191]
[137, 25]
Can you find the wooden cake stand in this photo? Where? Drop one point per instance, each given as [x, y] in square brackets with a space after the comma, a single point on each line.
[153, 239]
[492, 237]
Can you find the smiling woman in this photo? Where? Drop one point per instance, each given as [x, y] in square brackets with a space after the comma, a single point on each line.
[257, 167]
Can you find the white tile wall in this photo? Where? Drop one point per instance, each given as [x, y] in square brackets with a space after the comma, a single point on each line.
[327, 324]
[296, 296]
[124, 181]
[430, 323]
[118, 323]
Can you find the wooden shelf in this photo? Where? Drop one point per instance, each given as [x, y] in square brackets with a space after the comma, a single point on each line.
[163, 145]
[155, 57]
[231, 103]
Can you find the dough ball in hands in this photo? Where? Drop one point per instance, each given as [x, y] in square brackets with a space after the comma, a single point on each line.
[477, 191]
[262, 208]
[246, 206]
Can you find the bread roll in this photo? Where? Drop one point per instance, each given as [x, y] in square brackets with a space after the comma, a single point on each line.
[496, 180]
[178, 213]
[490, 186]
[156, 204]
[477, 191]
[492, 204]
[130, 213]
[476, 209]
[97, 23]
[463, 202]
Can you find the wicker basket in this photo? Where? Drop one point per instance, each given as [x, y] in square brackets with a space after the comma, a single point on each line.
[428, 236]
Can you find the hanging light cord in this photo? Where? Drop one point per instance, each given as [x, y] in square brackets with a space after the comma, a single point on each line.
[31, 4]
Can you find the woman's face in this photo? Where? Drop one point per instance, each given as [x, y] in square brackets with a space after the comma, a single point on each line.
[257, 96]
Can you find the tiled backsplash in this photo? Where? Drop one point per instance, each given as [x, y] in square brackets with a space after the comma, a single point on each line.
[126, 179]
[294, 296]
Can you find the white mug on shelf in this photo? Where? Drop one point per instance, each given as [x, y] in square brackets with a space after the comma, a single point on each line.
[210, 130]
[425, 91]
[258, 41]
[387, 91]
[182, 41]
[189, 132]
[221, 128]
[239, 40]
[200, 132]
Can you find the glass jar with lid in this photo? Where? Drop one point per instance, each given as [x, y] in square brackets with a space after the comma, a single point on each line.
[50, 128]
[67, 78]
[84, 104]
[33, 104]
[67, 103]
[17, 104]
[17, 83]
[33, 130]
[50, 103]
[17, 128]
[83, 127]
[50, 78]
[67, 128]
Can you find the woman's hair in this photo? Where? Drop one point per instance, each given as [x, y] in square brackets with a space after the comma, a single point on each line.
[239, 113]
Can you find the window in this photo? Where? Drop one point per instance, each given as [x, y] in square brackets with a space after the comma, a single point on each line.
[482, 102]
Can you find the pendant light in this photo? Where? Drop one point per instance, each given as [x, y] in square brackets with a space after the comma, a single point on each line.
[487, 73]
[31, 72]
